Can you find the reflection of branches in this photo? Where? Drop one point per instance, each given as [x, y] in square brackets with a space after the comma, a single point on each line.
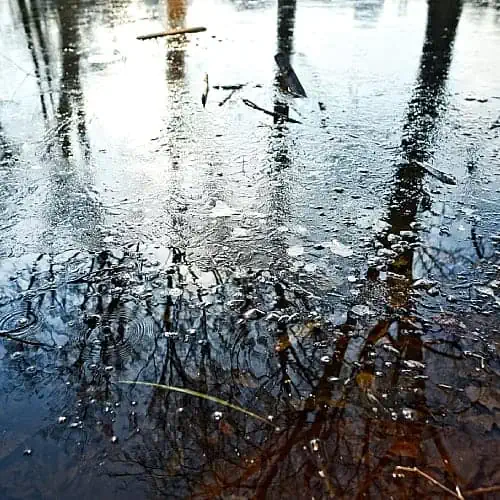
[437, 259]
[424, 108]
[26, 20]
[203, 340]
[44, 49]
[71, 97]
[423, 112]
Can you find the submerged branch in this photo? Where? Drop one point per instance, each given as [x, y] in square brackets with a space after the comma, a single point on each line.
[197, 394]
[435, 482]
[482, 491]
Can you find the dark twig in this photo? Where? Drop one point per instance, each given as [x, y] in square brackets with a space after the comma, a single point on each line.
[437, 174]
[228, 97]
[280, 116]
[180, 31]
[239, 86]
[23, 341]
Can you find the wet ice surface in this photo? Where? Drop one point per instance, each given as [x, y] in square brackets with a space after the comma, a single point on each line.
[318, 274]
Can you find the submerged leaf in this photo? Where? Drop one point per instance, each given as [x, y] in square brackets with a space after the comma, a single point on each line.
[282, 344]
[487, 396]
[221, 209]
[378, 332]
[365, 380]
[340, 249]
[226, 428]
[295, 251]
[404, 448]
[361, 310]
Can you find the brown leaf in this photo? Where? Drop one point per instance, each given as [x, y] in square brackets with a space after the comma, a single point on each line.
[226, 428]
[378, 331]
[282, 344]
[244, 379]
[487, 396]
[404, 448]
[307, 329]
[364, 380]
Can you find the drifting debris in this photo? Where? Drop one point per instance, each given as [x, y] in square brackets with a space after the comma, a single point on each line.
[295, 251]
[254, 314]
[180, 31]
[485, 290]
[424, 283]
[435, 482]
[277, 116]
[239, 86]
[440, 176]
[204, 96]
[495, 124]
[290, 78]
[227, 97]
[222, 209]
[361, 310]
[338, 248]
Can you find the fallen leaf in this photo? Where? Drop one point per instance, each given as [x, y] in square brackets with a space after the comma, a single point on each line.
[361, 310]
[487, 396]
[340, 249]
[282, 344]
[364, 380]
[404, 448]
[226, 428]
[295, 251]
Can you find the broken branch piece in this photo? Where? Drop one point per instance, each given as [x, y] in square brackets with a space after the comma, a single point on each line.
[180, 31]
[278, 116]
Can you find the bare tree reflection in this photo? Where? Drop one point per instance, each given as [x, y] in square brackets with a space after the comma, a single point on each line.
[429, 94]
[176, 15]
[286, 26]
[405, 201]
[351, 403]
[71, 108]
[41, 30]
[428, 100]
[28, 19]
[286, 10]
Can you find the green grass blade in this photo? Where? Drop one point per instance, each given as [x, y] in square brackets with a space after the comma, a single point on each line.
[199, 395]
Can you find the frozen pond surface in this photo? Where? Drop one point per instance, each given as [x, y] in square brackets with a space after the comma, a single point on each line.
[338, 277]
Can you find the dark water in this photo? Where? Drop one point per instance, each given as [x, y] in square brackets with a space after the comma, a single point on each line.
[337, 277]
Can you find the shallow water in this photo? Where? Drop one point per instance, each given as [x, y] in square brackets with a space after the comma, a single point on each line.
[338, 277]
